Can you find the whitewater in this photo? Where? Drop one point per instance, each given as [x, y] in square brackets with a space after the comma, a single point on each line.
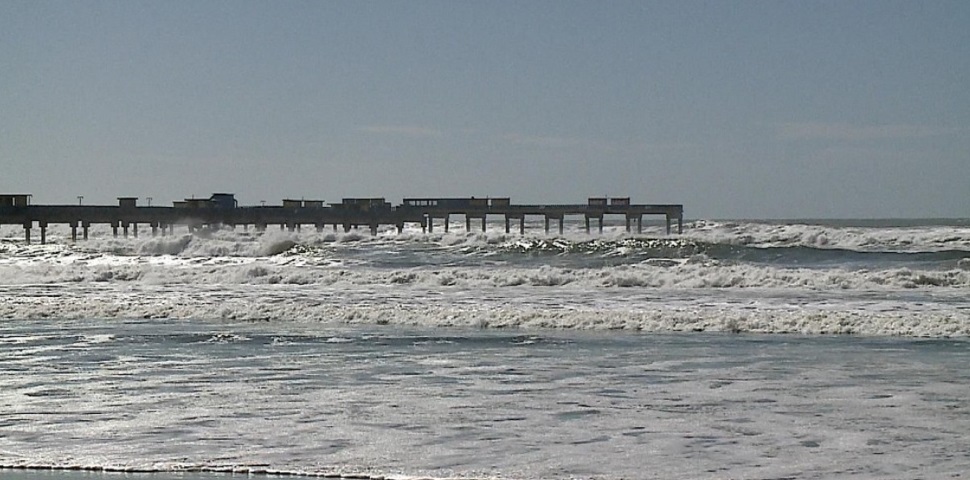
[738, 349]
[729, 276]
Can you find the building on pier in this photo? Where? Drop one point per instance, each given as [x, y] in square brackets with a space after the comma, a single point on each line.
[224, 200]
[372, 204]
[15, 200]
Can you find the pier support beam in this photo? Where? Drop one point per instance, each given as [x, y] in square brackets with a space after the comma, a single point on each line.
[27, 232]
[468, 221]
[134, 229]
[447, 218]
[507, 229]
[43, 233]
[522, 225]
[638, 218]
[74, 232]
[84, 229]
[554, 217]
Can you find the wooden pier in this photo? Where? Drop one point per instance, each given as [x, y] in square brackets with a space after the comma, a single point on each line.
[222, 210]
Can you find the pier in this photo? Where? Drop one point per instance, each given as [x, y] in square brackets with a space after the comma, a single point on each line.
[222, 210]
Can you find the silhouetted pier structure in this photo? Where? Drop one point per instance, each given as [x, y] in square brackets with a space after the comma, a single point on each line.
[221, 209]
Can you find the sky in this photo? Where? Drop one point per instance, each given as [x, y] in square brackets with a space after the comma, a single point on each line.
[736, 109]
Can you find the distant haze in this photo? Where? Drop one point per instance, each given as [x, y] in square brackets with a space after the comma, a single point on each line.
[750, 109]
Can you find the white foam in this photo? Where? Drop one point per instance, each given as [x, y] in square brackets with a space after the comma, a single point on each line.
[864, 239]
[302, 270]
[758, 234]
[766, 311]
[329, 277]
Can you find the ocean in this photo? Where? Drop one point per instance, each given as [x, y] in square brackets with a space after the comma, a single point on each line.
[738, 349]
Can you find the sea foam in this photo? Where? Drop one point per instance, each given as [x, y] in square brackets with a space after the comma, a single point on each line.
[733, 277]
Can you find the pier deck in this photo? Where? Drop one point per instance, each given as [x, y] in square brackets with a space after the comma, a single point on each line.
[220, 210]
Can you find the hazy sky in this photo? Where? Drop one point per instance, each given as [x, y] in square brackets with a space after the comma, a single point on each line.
[733, 108]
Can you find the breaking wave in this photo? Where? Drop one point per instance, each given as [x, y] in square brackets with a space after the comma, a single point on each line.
[722, 276]
[488, 308]
[294, 267]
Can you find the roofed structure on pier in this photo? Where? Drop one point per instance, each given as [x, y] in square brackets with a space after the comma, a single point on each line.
[15, 199]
